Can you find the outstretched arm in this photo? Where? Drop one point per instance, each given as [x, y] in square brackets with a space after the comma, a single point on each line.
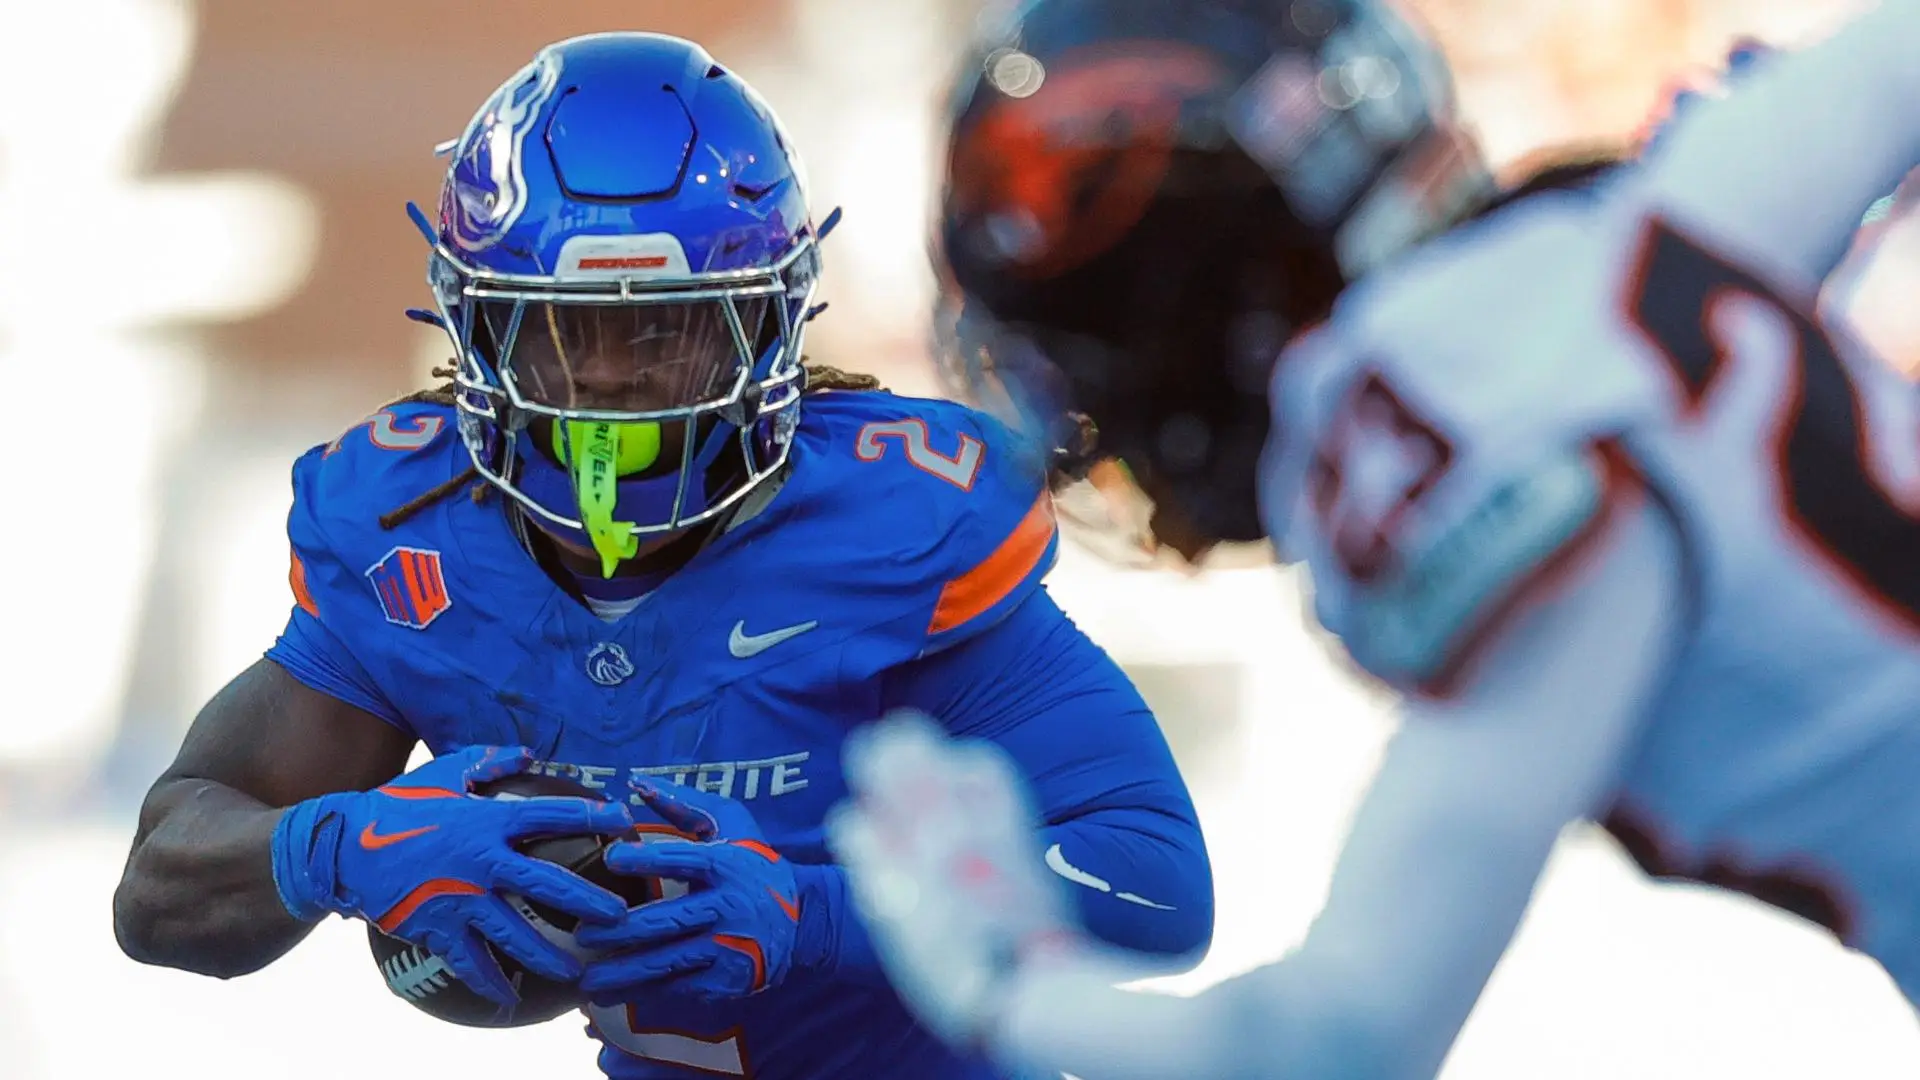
[1780, 172]
[1436, 873]
[1440, 864]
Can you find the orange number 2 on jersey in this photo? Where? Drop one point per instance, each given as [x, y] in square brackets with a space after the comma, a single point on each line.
[388, 432]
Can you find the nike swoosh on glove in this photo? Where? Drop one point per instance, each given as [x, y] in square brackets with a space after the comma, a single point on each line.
[731, 936]
[425, 859]
[939, 844]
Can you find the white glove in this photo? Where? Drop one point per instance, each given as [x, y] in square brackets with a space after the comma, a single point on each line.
[938, 839]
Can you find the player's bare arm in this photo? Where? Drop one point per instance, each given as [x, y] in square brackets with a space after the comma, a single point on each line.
[264, 826]
[1837, 119]
[198, 892]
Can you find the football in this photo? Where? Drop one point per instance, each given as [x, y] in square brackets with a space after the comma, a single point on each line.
[424, 981]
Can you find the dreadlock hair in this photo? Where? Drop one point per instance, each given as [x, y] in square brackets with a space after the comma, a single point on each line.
[824, 377]
[819, 378]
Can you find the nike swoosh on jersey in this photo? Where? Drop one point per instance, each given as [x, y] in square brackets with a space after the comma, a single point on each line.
[1058, 863]
[373, 841]
[743, 645]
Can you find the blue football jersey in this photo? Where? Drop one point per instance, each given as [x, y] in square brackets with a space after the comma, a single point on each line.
[901, 528]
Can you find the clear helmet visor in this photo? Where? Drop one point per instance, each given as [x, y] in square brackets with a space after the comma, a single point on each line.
[621, 406]
[648, 358]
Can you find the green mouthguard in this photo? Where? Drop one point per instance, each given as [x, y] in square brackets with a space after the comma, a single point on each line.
[602, 454]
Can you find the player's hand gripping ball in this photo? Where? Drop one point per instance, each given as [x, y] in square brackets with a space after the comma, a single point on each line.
[732, 936]
[428, 858]
[425, 980]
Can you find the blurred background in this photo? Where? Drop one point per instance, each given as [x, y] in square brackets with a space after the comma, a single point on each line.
[202, 234]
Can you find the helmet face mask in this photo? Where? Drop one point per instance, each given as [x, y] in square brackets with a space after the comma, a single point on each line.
[1142, 254]
[627, 309]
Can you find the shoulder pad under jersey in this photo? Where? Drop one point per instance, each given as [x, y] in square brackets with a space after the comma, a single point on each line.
[932, 504]
[1454, 434]
[346, 568]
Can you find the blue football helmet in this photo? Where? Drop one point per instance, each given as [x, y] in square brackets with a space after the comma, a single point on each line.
[625, 260]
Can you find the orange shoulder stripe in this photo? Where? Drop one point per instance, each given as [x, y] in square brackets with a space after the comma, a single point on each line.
[999, 574]
[297, 579]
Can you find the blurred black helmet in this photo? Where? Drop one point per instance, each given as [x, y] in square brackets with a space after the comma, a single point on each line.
[1145, 199]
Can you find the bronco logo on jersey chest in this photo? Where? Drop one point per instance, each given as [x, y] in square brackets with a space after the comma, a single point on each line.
[608, 664]
[411, 588]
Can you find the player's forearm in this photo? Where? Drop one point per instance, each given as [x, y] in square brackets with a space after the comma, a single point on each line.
[1272, 1023]
[198, 892]
[831, 938]
[1169, 917]
[1437, 871]
[1382, 1007]
[1781, 171]
[1141, 880]
[1062, 1017]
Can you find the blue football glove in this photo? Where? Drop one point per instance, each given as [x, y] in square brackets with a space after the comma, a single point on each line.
[423, 858]
[731, 936]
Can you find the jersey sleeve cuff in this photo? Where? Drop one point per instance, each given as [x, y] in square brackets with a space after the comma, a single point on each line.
[309, 652]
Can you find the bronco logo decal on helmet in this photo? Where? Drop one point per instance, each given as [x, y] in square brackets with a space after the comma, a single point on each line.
[487, 189]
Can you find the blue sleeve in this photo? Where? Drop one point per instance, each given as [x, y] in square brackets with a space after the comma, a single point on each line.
[313, 654]
[1119, 823]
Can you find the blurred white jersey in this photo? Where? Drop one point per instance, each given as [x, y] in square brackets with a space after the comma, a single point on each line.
[1640, 539]
[1470, 418]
